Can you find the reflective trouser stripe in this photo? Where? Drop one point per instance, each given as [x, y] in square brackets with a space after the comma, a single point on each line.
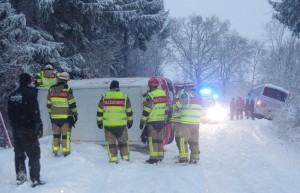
[55, 147]
[151, 148]
[111, 158]
[67, 140]
[182, 150]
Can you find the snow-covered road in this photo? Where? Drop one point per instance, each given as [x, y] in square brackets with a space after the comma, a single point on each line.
[236, 157]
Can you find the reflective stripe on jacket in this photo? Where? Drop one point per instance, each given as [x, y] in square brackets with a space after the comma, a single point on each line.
[176, 114]
[190, 107]
[60, 102]
[45, 80]
[156, 111]
[114, 109]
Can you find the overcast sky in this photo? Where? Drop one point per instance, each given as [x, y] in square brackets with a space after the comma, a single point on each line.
[247, 17]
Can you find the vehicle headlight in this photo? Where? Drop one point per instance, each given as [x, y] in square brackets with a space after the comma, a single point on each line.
[216, 113]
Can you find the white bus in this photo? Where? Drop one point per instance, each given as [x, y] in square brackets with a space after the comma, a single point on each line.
[268, 99]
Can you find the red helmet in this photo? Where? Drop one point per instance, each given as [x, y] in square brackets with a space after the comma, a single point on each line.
[153, 82]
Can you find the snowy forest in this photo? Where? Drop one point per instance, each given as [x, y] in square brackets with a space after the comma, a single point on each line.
[125, 38]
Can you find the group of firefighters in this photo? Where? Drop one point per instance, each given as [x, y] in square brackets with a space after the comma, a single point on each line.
[115, 116]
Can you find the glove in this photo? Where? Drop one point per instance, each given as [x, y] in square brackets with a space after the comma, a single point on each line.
[141, 126]
[129, 124]
[75, 118]
[100, 125]
[39, 130]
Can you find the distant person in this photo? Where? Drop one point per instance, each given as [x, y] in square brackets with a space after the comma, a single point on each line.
[27, 127]
[62, 109]
[247, 108]
[239, 108]
[47, 76]
[232, 108]
[115, 115]
[251, 107]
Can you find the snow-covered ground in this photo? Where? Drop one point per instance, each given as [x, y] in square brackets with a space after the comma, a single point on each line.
[236, 157]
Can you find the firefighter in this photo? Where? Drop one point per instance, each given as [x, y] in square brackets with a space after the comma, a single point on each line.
[47, 76]
[63, 114]
[24, 117]
[115, 115]
[187, 132]
[153, 119]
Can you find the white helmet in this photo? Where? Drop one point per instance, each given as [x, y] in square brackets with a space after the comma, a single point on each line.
[64, 76]
[48, 67]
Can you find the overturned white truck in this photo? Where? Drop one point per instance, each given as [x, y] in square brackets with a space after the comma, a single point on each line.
[87, 93]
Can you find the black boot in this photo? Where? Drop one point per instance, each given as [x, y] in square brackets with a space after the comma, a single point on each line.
[37, 183]
[152, 161]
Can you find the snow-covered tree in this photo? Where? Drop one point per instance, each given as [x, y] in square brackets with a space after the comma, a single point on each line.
[288, 13]
[194, 44]
[102, 32]
[22, 48]
[233, 55]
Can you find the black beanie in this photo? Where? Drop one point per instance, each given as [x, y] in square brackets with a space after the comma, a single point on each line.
[114, 84]
[24, 79]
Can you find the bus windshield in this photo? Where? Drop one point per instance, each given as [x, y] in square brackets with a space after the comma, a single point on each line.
[275, 94]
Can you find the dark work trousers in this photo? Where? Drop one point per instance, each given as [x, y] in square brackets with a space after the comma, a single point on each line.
[61, 135]
[119, 134]
[187, 134]
[27, 144]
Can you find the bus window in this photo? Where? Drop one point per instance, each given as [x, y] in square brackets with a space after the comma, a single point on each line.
[275, 94]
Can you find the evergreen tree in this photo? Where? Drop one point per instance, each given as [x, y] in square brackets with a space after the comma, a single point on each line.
[102, 32]
[22, 49]
[288, 13]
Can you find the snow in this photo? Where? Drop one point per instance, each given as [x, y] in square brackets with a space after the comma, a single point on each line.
[236, 157]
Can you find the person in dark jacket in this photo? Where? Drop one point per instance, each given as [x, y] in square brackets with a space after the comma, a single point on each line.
[247, 108]
[24, 117]
[251, 107]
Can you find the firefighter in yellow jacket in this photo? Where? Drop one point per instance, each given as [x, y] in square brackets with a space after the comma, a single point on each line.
[63, 113]
[114, 114]
[153, 119]
[47, 76]
[187, 132]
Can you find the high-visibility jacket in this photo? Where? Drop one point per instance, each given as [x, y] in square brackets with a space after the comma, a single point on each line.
[176, 114]
[46, 79]
[60, 101]
[114, 109]
[156, 110]
[190, 107]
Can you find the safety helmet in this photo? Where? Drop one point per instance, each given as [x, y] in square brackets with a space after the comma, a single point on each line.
[153, 82]
[64, 76]
[48, 67]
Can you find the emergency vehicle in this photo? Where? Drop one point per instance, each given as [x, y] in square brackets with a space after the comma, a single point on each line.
[87, 93]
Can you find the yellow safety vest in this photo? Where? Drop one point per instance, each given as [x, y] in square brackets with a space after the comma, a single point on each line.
[158, 109]
[176, 114]
[114, 104]
[47, 80]
[60, 100]
[190, 113]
